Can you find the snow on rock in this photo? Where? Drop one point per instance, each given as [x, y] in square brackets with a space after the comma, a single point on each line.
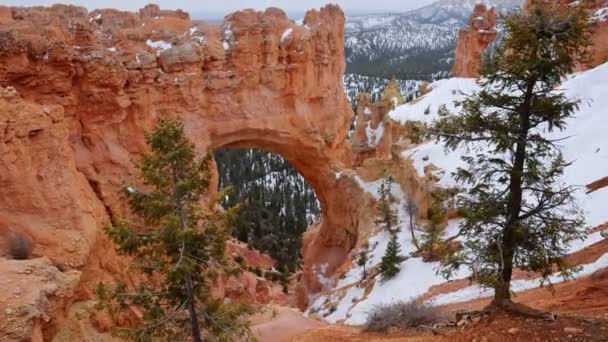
[159, 46]
[600, 15]
[228, 36]
[286, 34]
[374, 135]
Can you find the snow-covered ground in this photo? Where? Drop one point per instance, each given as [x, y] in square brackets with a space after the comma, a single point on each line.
[415, 278]
[587, 147]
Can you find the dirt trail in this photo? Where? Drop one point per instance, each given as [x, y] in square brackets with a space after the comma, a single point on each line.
[281, 324]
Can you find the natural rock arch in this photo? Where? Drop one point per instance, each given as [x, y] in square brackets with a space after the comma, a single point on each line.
[90, 84]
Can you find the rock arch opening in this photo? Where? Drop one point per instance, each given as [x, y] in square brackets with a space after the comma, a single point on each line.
[277, 204]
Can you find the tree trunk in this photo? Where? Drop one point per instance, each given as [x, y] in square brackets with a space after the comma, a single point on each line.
[502, 290]
[196, 332]
[414, 240]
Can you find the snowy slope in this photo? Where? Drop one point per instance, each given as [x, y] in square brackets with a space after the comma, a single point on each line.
[588, 148]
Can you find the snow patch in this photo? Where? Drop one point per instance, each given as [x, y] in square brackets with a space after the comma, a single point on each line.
[374, 135]
[159, 46]
[600, 16]
[286, 34]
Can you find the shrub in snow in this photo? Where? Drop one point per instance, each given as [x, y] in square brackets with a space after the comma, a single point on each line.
[432, 244]
[427, 111]
[401, 315]
[19, 246]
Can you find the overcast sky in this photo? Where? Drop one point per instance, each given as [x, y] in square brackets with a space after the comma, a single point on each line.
[215, 7]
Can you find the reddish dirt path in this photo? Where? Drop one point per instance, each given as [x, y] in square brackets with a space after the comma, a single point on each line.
[498, 328]
[280, 324]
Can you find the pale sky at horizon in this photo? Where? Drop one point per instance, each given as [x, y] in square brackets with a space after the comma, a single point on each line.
[227, 6]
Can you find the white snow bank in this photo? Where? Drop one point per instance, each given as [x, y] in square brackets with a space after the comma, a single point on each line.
[475, 291]
[444, 92]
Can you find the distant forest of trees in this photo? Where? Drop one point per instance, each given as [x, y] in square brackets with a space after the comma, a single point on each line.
[277, 204]
[418, 65]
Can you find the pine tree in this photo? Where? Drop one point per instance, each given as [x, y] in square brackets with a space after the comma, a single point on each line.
[362, 262]
[387, 215]
[518, 213]
[390, 263]
[177, 245]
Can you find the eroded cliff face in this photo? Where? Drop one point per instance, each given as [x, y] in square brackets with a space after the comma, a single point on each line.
[79, 89]
[473, 40]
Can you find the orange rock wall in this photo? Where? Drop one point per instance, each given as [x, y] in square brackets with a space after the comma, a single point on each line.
[79, 89]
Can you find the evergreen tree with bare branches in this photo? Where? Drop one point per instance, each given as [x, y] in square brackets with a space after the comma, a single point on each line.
[518, 213]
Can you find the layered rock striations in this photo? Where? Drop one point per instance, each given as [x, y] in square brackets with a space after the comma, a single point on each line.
[473, 41]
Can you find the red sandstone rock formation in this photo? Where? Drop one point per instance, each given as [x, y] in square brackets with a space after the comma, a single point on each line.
[373, 127]
[80, 89]
[473, 40]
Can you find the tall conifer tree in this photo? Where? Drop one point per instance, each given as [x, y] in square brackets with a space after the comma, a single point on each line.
[518, 213]
[176, 243]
